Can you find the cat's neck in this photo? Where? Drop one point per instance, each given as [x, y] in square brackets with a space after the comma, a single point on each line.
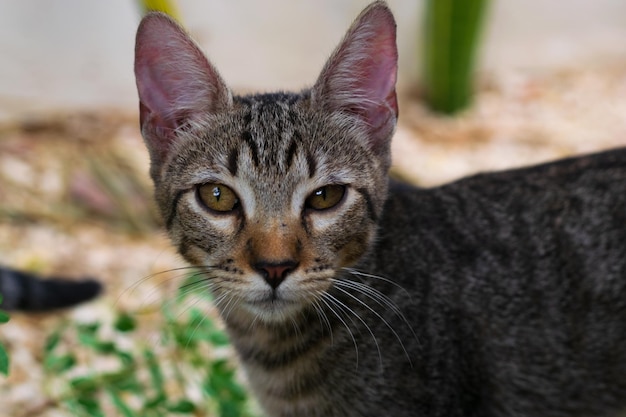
[277, 337]
[282, 358]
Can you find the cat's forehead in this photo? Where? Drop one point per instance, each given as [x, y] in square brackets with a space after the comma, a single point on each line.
[272, 146]
[272, 131]
[268, 118]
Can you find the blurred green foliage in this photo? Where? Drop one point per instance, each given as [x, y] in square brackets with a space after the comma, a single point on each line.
[4, 357]
[185, 373]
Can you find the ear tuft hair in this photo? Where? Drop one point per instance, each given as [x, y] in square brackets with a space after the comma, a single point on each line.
[360, 76]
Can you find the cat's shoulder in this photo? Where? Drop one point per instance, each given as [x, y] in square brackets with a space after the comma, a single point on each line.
[606, 164]
[586, 176]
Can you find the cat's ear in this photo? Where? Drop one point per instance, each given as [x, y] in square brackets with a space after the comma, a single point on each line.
[175, 81]
[360, 76]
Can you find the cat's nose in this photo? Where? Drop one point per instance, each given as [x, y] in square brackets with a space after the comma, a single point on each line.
[275, 272]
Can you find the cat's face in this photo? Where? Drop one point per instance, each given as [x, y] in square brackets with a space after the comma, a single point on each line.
[271, 195]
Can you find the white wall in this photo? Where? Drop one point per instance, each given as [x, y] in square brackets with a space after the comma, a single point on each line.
[68, 54]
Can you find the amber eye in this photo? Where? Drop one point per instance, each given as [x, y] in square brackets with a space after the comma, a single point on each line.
[217, 197]
[326, 197]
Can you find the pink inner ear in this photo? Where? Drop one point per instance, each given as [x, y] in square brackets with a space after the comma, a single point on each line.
[360, 76]
[174, 80]
[380, 79]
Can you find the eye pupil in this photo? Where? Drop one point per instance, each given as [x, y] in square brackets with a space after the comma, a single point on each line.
[325, 197]
[217, 197]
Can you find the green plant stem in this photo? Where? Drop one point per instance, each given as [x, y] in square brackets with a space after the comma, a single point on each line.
[452, 30]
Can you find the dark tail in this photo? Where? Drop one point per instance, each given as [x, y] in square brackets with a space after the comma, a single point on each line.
[28, 292]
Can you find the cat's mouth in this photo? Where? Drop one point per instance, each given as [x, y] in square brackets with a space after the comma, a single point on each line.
[274, 305]
[272, 300]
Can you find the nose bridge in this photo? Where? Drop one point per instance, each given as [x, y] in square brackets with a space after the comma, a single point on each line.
[273, 241]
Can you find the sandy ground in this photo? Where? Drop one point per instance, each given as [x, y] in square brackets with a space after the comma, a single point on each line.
[75, 198]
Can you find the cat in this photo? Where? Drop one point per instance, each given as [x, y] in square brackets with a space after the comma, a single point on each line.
[347, 294]
[24, 291]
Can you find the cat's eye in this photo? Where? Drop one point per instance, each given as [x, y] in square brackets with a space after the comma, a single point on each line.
[325, 197]
[217, 197]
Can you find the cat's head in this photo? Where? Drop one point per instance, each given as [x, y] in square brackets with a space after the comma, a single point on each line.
[270, 194]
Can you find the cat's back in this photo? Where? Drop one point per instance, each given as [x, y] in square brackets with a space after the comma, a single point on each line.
[523, 274]
[577, 194]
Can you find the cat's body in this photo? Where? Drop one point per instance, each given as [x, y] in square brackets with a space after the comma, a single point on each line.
[25, 291]
[499, 295]
[514, 314]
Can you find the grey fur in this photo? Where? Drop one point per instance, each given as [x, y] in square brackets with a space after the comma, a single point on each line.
[499, 295]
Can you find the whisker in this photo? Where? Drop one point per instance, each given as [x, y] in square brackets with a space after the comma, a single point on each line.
[132, 288]
[377, 296]
[328, 306]
[387, 280]
[355, 314]
[189, 288]
[229, 306]
[190, 338]
[364, 304]
[324, 321]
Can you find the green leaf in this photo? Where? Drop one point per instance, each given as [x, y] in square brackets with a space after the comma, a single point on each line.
[121, 405]
[4, 361]
[89, 328]
[90, 405]
[105, 347]
[125, 323]
[88, 339]
[59, 364]
[126, 358]
[155, 370]
[218, 338]
[182, 407]
[52, 341]
[155, 402]
[4, 316]
[86, 385]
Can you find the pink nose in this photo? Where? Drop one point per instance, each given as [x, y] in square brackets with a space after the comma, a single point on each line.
[275, 272]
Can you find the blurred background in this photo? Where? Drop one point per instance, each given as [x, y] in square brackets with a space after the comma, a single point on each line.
[75, 198]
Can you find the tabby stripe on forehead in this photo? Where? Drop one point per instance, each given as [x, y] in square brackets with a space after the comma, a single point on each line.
[368, 203]
[312, 164]
[233, 160]
[174, 208]
[254, 150]
[291, 152]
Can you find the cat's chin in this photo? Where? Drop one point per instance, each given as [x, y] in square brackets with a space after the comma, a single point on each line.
[273, 310]
[268, 308]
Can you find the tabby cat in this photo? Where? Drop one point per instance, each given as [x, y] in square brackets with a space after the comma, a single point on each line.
[346, 294]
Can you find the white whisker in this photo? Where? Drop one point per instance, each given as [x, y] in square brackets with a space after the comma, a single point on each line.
[328, 305]
[342, 305]
[324, 321]
[364, 304]
[378, 297]
[387, 280]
